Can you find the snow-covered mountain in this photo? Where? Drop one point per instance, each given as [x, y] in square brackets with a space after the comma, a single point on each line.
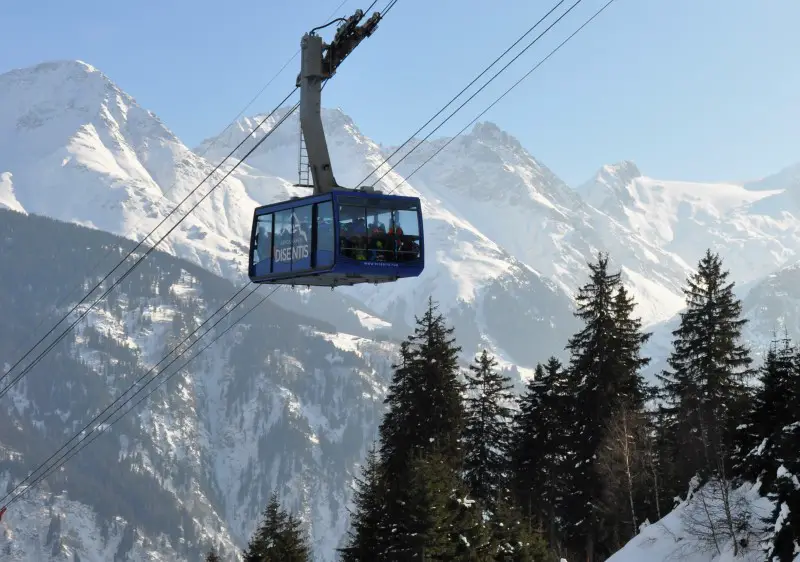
[118, 168]
[755, 227]
[757, 230]
[487, 203]
[494, 214]
[282, 402]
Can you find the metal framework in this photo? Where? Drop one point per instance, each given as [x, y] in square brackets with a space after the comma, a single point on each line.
[319, 62]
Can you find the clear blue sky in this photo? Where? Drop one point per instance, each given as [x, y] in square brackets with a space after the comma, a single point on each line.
[688, 89]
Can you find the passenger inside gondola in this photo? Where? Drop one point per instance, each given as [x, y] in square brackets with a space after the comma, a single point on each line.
[377, 239]
[363, 234]
[352, 232]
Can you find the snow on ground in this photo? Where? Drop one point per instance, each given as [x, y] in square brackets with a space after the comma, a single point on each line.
[654, 302]
[662, 204]
[370, 322]
[7, 197]
[682, 536]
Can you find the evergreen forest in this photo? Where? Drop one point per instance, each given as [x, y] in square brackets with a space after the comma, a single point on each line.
[589, 454]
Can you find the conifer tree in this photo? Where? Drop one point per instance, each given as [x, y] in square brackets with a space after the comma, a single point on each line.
[628, 342]
[420, 450]
[441, 522]
[769, 449]
[513, 537]
[539, 447]
[279, 537]
[397, 434]
[770, 410]
[368, 526]
[705, 388]
[784, 542]
[292, 544]
[774, 405]
[425, 410]
[603, 373]
[487, 430]
[212, 555]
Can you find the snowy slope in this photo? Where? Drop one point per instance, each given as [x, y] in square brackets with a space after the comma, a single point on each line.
[282, 402]
[7, 197]
[683, 533]
[755, 230]
[124, 170]
[81, 150]
[487, 204]
[464, 263]
[488, 178]
[773, 308]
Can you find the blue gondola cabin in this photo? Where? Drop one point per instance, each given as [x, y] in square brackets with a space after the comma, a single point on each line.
[337, 239]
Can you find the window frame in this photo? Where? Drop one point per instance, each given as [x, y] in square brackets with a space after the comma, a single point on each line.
[254, 240]
[331, 246]
[310, 234]
[368, 206]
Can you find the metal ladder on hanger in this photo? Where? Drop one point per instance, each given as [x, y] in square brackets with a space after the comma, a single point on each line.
[303, 166]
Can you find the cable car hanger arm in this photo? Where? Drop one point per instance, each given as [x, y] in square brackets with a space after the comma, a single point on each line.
[318, 63]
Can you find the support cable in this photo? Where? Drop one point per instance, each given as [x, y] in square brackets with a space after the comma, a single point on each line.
[454, 98]
[110, 250]
[456, 110]
[16, 493]
[517, 83]
[152, 248]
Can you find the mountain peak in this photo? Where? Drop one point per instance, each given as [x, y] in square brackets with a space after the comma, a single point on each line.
[68, 64]
[57, 85]
[621, 173]
[56, 70]
[610, 187]
[490, 133]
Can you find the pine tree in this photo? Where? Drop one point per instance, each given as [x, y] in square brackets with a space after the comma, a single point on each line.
[784, 544]
[771, 409]
[539, 447]
[273, 521]
[368, 525]
[421, 431]
[441, 522]
[292, 544]
[487, 430]
[705, 390]
[628, 340]
[425, 409]
[397, 433]
[278, 538]
[603, 374]
[768, 451]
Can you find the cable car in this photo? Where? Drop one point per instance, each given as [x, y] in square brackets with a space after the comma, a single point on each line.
[336, 236]
[337, 239]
